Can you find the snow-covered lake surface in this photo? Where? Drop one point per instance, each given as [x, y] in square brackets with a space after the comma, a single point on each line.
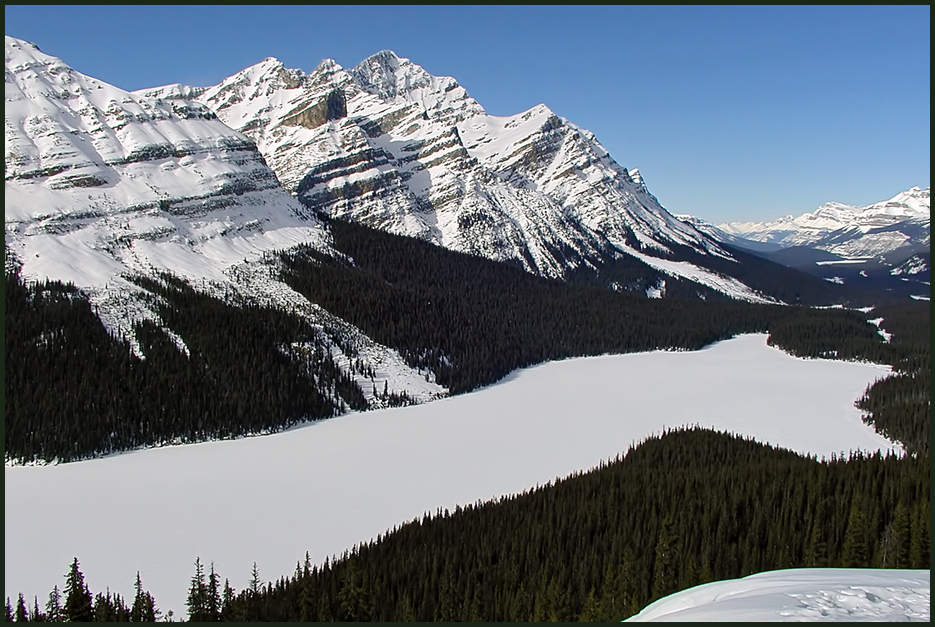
[323, 487]
[803, 594]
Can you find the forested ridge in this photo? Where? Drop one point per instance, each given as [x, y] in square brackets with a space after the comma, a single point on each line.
[473, 321]
[677, 510]
[74, 391]
[899, 406]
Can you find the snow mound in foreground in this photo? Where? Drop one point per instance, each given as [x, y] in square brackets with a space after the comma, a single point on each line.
[802, 594]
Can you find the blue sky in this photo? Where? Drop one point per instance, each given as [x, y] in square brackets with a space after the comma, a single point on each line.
[730, 113]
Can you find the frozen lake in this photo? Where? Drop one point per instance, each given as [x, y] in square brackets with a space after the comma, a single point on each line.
[323, 487]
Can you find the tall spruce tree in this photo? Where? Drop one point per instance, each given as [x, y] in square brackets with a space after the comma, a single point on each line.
[665, 576]
[144, 606]
[854, 552]
[901, 536]
[214, 596]
[22, 616]
[78, 600]
[197, 595]
[53, 607]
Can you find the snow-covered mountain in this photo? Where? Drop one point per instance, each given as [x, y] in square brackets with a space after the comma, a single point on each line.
[848, 231]
[391, 146]
[724, 237]
[101, 183]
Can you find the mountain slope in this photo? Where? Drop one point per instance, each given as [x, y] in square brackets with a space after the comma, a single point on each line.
[99, 182]
[849, 231]
[102, 185]
[390, 146]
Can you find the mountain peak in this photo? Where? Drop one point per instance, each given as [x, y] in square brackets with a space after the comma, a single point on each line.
[20, 51]
[381, 74]
[385, 55]
[13, 42]
[327, 65]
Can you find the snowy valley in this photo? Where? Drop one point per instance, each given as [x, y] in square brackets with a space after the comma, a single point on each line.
[288, 313]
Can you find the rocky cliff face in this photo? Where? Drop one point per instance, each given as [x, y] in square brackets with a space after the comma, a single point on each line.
[391, 146]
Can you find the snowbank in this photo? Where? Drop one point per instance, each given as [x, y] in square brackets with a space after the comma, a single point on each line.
[805, 594]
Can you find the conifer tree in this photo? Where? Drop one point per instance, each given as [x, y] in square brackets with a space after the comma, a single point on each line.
[665, 576]
[887, 547]
[53, 607]
[37, 615]
[253, 595]
[9, 611]
[227, 604]
[817, 555]
[144, 607]
[591, 611]
[22, 616]
[78, 600]
[919, 543]
[197, 595]
[901, 536]
[213, 596]
[854, 552]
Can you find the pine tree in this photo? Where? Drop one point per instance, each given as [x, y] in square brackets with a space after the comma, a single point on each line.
[214, 596]
[817, 555]
[53, 607]
[353, 599]
[22, 616]
[253, 595]
[854, 552]
[901, 536]
[612, 602]
[887, 547]
[665, 577]
[255, 585]
[37, 616]
[144, 607]
[591, 611]
[104, 611]
[78, 599]
[919, 543]
[9, 611]
[197, 595]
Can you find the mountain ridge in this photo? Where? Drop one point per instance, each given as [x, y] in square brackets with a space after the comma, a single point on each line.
[847, 230]
[390, 146]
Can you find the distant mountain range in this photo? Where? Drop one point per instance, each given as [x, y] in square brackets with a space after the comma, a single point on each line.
[878, 245]
[883, 227]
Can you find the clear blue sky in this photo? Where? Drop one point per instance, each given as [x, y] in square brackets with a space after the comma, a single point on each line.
[745, 113]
